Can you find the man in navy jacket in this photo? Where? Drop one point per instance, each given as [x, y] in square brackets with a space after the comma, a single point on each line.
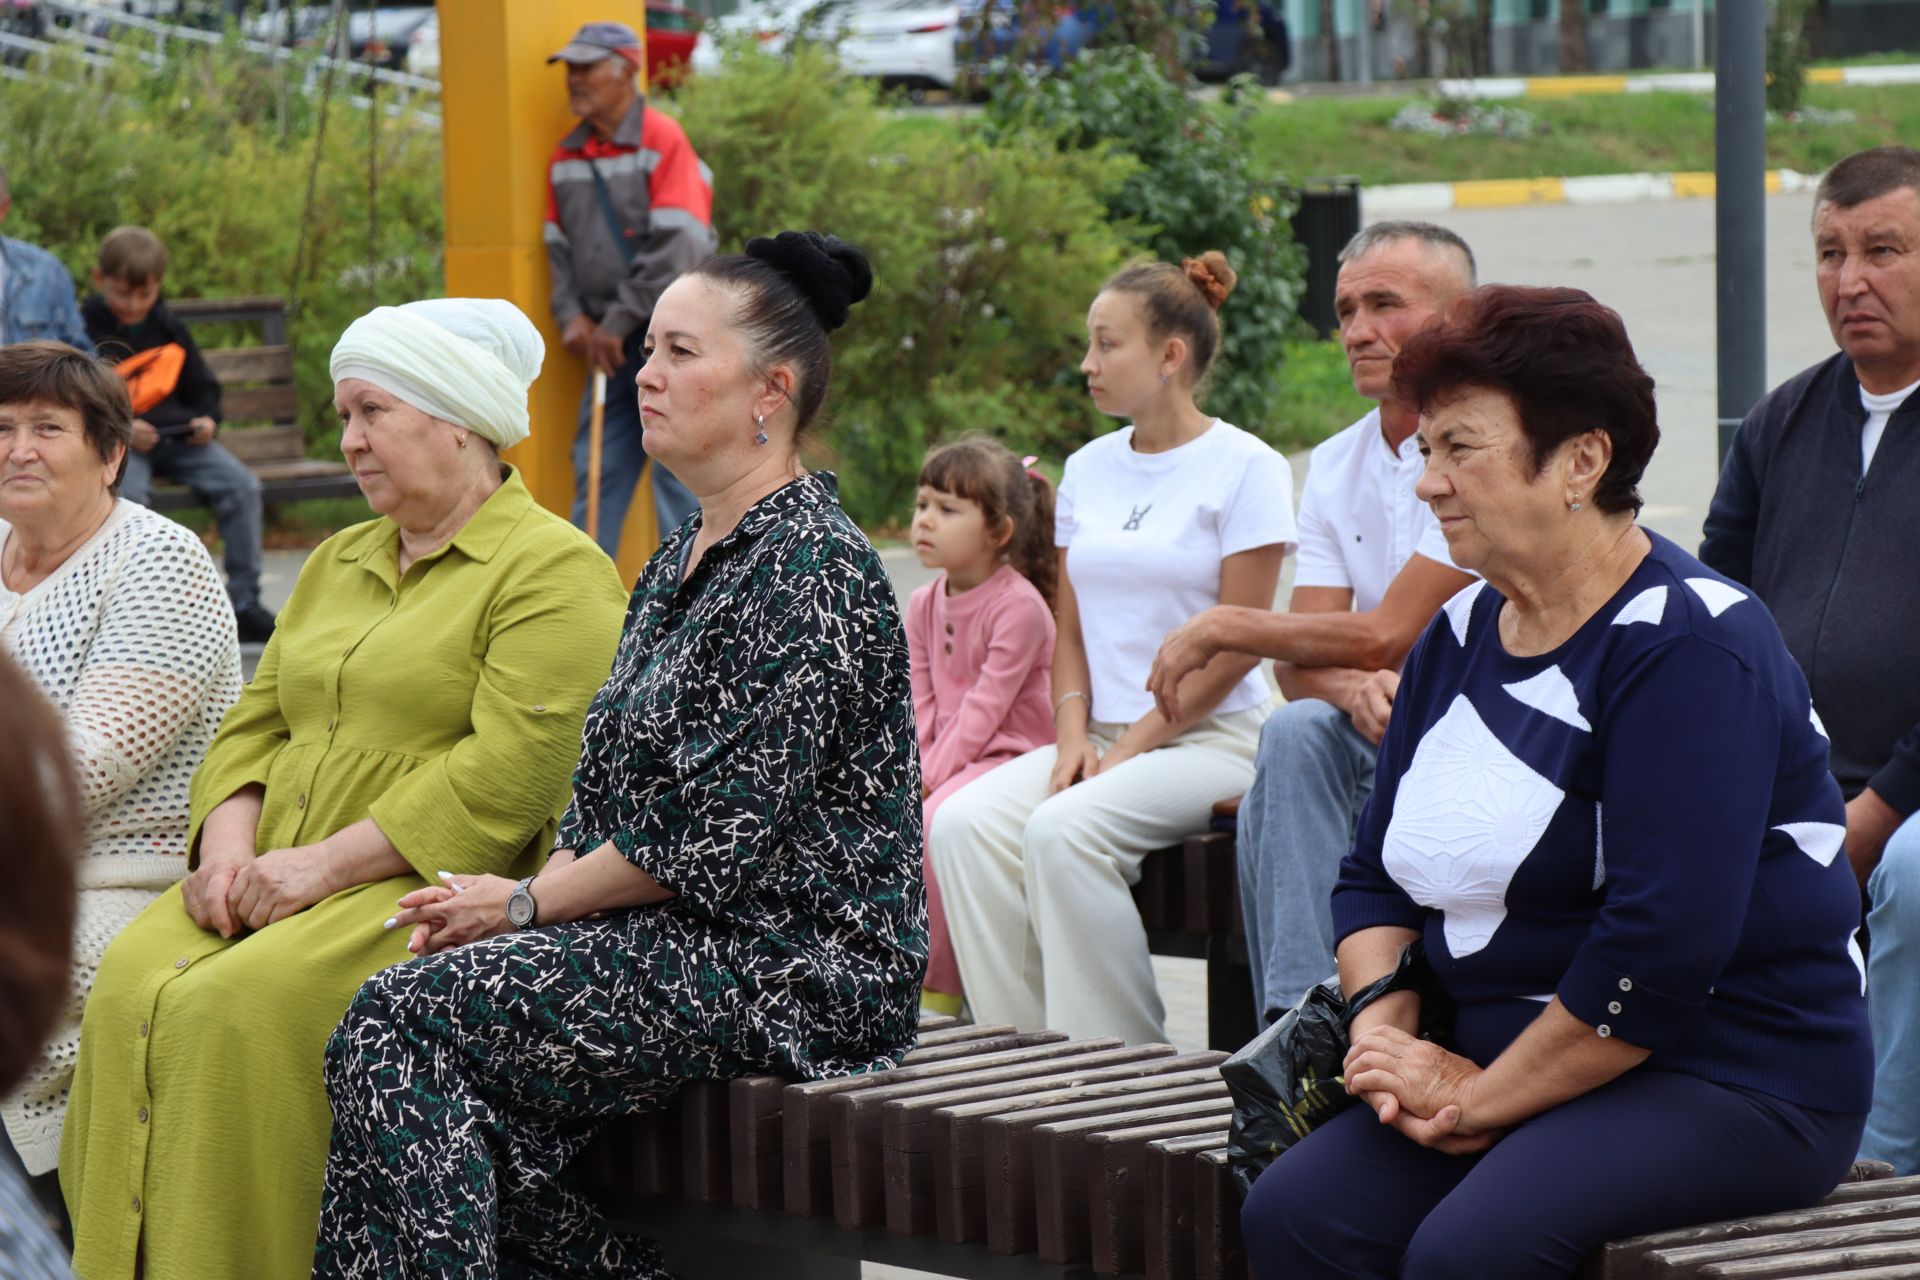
[1816, 510]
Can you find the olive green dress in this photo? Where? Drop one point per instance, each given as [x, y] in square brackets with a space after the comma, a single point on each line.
[446, 704]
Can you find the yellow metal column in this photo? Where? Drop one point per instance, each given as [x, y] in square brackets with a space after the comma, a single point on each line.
[504, 109]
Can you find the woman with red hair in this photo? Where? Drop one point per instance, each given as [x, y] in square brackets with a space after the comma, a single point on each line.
[1603, 802]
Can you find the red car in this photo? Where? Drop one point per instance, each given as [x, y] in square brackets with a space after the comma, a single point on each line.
[671, 31]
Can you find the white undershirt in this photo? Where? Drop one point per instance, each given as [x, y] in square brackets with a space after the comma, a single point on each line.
[1879, 408]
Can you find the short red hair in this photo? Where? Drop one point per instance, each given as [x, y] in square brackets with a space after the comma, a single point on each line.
[1560, 357]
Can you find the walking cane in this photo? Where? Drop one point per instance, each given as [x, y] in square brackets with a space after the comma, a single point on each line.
[596, 426]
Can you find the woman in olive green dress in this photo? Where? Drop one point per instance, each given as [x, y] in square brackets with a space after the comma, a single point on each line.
[417, 712]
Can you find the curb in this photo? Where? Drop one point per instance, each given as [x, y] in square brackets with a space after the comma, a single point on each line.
[1489, 88]
[1612, 188]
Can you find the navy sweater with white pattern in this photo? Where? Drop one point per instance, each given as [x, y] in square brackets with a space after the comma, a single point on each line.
[1640, 822]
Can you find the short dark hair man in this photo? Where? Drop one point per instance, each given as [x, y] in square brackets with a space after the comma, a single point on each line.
[1816, 511]
[629, 208]
[1371, 571]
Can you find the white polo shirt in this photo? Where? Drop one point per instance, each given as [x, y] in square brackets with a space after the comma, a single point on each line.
[1359, 519]
[1145, 534]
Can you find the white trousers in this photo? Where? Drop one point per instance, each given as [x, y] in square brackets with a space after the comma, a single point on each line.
[1038, 888]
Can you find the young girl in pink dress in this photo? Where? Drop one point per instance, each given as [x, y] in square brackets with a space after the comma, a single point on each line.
[980, 637]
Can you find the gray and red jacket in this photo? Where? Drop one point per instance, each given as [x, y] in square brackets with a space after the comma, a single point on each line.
[662, 196]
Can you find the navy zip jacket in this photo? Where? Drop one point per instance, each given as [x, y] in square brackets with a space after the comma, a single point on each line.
[1833, 554]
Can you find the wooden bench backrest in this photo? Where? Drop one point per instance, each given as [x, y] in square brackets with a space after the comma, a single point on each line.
[257, 388]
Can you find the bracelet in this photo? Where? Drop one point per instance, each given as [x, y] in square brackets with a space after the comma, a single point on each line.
[1069, 696]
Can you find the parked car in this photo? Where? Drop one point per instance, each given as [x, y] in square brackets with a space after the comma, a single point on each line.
[670, 35]
[382, 37]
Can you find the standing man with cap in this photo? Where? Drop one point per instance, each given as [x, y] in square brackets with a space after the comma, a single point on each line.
[629, 208]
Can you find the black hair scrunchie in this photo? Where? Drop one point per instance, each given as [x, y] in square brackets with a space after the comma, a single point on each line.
[830, 273]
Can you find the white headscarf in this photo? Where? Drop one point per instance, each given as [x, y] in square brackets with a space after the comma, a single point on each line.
[468, 361]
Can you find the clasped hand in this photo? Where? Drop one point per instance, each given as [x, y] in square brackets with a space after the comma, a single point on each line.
[1417, 1087]
[231, 892]
[459, 910]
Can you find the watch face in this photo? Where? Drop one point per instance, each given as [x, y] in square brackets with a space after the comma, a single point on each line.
[520, 908]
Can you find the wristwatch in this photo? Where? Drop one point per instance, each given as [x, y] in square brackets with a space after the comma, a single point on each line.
[520, 905]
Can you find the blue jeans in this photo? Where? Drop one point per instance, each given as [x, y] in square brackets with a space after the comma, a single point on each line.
[623, 458]
[221, 481]
[1893, 1002]
[1311, 778]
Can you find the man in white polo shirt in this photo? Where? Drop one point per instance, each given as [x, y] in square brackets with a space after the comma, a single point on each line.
[1372, 569]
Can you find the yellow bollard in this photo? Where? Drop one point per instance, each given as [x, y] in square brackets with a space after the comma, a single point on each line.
[503, 110]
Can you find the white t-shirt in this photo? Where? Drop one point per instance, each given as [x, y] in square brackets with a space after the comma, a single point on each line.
[1359, 519]
[1879, 409]
[1145, 534]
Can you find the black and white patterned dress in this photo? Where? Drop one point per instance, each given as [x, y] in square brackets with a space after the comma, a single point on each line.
[753, 750]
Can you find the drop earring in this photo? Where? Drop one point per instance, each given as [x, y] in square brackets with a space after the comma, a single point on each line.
[1574, 505]
[760, 421]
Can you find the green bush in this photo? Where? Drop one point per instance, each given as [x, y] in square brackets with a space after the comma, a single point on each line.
[1195, 187]
[985, 258]
[1787, 55]
[212, 151]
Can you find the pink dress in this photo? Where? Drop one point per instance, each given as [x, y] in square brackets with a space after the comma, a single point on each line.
[982, 694]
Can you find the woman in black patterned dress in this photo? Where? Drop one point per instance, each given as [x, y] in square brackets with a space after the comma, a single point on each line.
[736, 886]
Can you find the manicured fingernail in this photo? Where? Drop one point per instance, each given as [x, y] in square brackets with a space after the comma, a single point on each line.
[391, 921]
[444, 875]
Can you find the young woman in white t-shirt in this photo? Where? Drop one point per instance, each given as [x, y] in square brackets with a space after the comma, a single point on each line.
[1170, 515]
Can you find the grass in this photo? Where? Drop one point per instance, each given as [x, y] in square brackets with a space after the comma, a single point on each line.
[1317, 396]
[1618, 133]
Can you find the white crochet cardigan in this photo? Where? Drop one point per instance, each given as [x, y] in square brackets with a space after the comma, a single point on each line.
[133, 640]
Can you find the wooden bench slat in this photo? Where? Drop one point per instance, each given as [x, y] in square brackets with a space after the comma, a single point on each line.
[1218, 1251]
[1622, 1259]
[854, 1119]
[1009, 1157]
[805, 1155]
[1210, 866]
[261, 404]
[754, 1103]
[1688, 1259]
[234, 365]
[960, 1166]
[706, 1151]
[1853, 1262]
[1117, 1183]
[269, 444]
[1060, 1169]
[1171, 1164]
[907, 1146]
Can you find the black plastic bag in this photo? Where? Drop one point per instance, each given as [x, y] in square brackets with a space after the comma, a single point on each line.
[1287, 1081]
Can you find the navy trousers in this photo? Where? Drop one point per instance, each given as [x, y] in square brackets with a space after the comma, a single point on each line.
[1650, 1151]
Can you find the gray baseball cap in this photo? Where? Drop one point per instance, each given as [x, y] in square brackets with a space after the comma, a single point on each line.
[599, 40]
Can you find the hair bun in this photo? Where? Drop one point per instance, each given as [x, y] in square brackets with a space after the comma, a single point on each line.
[832, 274]
[1212, 275]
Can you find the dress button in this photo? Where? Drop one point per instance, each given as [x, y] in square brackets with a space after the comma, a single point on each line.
[301, 803]
[181, 963]
[1604, 1030]
[539, 706]
[136, 1204]
[1613, 1006]
[143, 1115]
[330, 721]
[949, 628]
[1626, 984]
[949, 646]
[143, 1030]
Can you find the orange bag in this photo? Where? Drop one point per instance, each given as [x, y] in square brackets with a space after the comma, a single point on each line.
[152, 374]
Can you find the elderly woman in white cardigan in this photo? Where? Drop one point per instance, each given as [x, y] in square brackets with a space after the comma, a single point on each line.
[120, 617]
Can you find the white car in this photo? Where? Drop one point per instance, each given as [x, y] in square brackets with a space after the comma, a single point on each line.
[909, 44]
[423, 49]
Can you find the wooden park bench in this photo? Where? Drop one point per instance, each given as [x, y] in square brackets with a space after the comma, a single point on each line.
[1003, 1155]
[1189, 899]
[261, 407]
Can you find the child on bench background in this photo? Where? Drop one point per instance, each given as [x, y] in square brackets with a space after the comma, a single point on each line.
[176, 410]
[980, 638]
